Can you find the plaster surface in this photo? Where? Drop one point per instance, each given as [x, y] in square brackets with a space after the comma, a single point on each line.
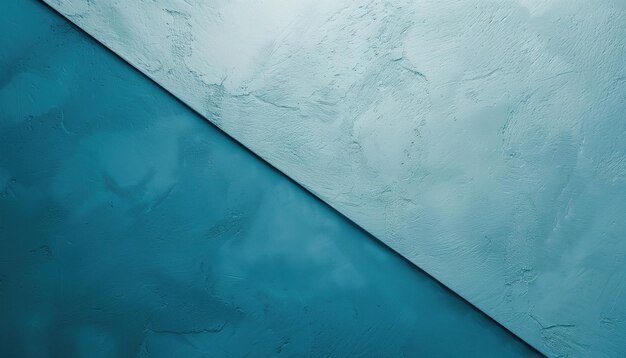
[485, 141]
[131, 227]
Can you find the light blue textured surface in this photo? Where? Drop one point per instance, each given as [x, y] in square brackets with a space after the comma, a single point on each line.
[485, 141]
[131, 227]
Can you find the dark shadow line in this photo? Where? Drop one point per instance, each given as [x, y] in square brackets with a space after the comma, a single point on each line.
[378, 242]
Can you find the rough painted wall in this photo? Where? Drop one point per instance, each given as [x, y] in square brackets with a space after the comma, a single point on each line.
[483, 140]
[131, 227]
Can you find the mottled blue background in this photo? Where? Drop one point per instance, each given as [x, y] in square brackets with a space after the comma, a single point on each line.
[129, 226]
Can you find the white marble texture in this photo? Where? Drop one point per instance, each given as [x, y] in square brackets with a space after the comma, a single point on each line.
[483, 140]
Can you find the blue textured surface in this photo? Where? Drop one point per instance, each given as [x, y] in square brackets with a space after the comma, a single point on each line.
[129, 226]
[484, 141]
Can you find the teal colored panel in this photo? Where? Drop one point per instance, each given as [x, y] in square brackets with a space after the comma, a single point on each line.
[129, 226]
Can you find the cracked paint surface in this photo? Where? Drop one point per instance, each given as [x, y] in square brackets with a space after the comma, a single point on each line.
[129, 226]
[482, 140]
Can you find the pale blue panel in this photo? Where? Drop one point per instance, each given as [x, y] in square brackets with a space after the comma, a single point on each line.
[131, 227]
[482, 140]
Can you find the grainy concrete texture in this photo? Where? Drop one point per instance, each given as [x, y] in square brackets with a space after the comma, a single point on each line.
[131, 227]
[485, 141]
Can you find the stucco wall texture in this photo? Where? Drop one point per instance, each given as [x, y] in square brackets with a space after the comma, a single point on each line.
[485, 141]
[131, 227]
